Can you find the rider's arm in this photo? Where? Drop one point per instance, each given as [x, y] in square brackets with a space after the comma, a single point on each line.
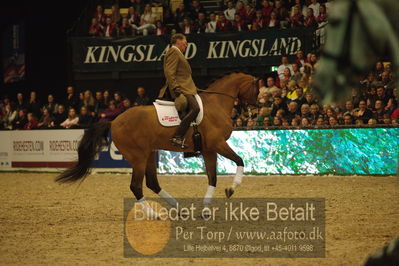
[171, 62]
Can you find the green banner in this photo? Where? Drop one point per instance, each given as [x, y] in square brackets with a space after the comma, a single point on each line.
[232, 50]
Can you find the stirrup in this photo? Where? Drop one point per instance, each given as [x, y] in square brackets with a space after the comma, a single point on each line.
[177, 141]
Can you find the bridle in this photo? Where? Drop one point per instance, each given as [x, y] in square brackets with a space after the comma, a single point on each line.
[254, 88]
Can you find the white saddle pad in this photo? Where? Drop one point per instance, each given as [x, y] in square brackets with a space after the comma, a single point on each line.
[167, 113]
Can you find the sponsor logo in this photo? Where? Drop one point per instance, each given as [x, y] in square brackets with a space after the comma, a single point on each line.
[28, 146]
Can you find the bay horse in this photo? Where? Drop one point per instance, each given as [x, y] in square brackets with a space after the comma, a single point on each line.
[137, 134]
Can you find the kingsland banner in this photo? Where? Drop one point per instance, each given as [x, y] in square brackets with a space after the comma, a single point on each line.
[204, 50]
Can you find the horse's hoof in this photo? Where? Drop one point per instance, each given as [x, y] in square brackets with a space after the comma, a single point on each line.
[229, 192]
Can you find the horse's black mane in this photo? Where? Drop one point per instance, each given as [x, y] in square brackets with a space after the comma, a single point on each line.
[222, 76]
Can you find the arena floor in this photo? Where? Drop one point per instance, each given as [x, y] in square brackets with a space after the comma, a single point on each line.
[42, 222]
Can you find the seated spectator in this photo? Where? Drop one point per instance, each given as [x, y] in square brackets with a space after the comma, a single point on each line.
[283, 66]
[238, 123]
[273, 22]
[230, 12]
[147, 21]
[46, 119]
[195, 9]
[110, 30]
[300, 61]
[266, 9]
[72, 120]
[21, 104]
[95, 29]
[348, 119]
[276, 121]
[99, 104]
[314, 113]
[250, 123]
[212, 24]
[110, 113]
[141, 98]
[296, 18]
[266, 122]
[21, 120]
[348, 107]
[126, 104]
[181, 13]
[118, 99]
[168, 17]
[305, 111]
[126, 29]
[304, 122]
[310, 19]
[85, 119]
[379, 112]
[363, 113]
[106, 98]
[133, 17]
[250, 14]
[292, 111]
[315, 6]
[240, 9]
[259, 20]
[322, 18]
[282, 14]
[309, 99]
[88, 101]
[138, 6]
[200, 23]
[295, 122]
[320, 121]
[72, 100]
[99, 15]
[395, 121]
[10, 115]
[277, 105]
[115, 15]
[382, 95]
[50, 105]
[332, 121]
[32, 122]
[160, 28]
[34, 104]
[187, 27]
[223, 25]
[239, 24]
[296, 74]
[59, 117]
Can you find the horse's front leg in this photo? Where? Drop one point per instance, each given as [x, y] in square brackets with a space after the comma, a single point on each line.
[224, 149]
[152, 183]
[210, 158]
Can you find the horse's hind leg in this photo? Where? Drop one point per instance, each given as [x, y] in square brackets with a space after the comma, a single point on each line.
[152, 181]
[210, 158]
[224, 149]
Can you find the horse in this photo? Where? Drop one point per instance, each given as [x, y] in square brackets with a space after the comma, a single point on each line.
[137, 134]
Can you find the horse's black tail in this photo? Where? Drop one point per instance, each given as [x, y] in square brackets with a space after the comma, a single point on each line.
[89, 146]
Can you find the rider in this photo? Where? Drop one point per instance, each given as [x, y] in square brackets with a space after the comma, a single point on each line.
[177, 72]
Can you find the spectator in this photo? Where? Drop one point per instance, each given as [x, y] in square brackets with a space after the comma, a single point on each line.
[133, 16]
[46, 119]
[85, 119]
[379, 112]
[292, 111]
[106, 98]
[195, 9]
[110, 29]
[349, 107]
[387, 120]
[250, 14]
[168, 17]
[304, 122]
[110, 113]
[72, 120]
[99, 104]
[99, 15]
[321, 19]
[181, 13]
[381, 95]
[10, 115]
[314, 113]
[34, 105]
[378, 69]
[239, 24]
[126, 104]
[310, 19]
[223, 25]
[283, 66]
[250, 123]
[320, 121]
[259, 20]
[212, 24]
[395, 121]
[315, 6]
[126, 29]
[89, 101]
[266, 9]
[276, 121]
[332, 121]
[273, 22]
[200, 23]
[59, 117]
[266, 122]
[238, 122]
[282, 14]
[21, 120]
[300, 61]
[296, 18]
[348, 119]
[240, 9]
[230, 11]
[141, 98]
[50, 105]
[138, 6]
[186, 27]
[296, 74]
[118, 99]
[20, 102]
[309, 99]
[71, 99]
[95, 29]
[147, 21]
[277, 105]
[32, 122]
[160, 28]
[115, 15]
[363, 113]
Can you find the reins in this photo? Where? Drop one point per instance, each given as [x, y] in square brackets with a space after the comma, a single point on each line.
[216, 92]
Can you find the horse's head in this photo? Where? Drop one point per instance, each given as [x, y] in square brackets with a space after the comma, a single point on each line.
[247, 88]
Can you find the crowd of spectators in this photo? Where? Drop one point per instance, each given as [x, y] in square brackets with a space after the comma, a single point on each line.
[289, 99]
[191, 17]
[75, 110]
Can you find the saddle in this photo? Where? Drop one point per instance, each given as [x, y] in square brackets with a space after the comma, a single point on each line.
[168, 116]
